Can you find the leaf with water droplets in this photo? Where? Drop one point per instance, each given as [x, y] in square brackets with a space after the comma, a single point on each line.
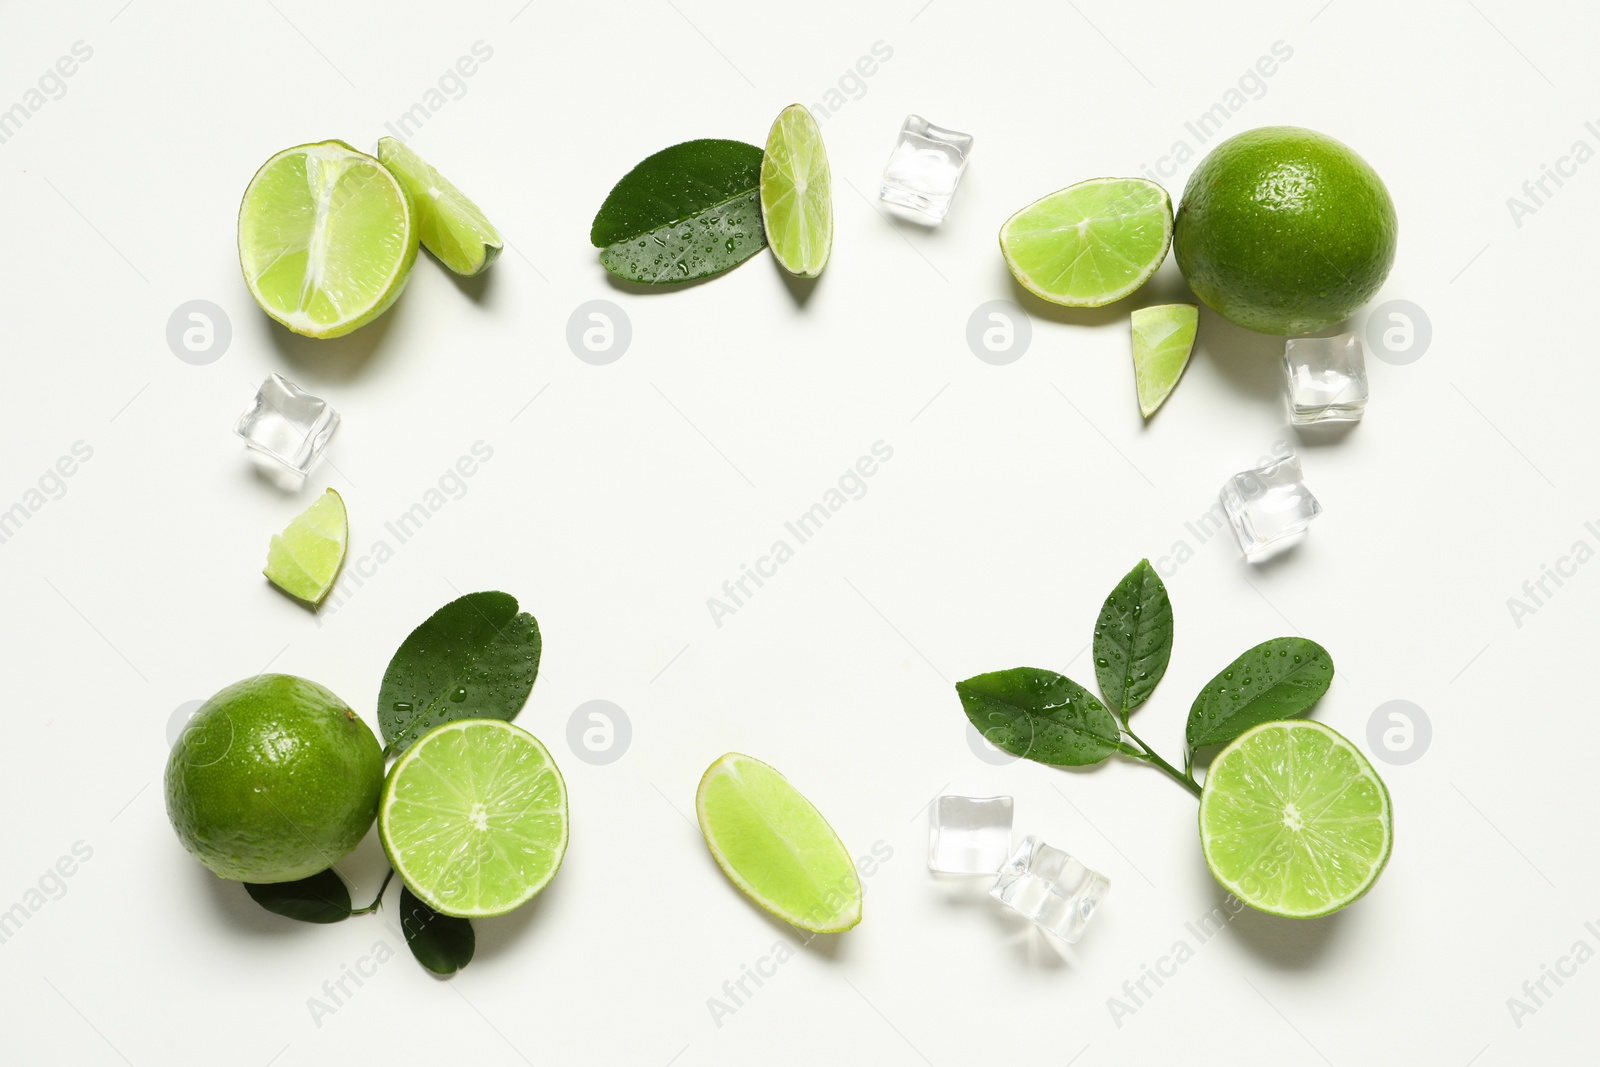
[1133, 638]
[1040, 715]
[474, 658]
[687, 212]
[1277, 679]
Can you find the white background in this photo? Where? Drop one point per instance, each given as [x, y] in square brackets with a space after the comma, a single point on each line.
[623, 497]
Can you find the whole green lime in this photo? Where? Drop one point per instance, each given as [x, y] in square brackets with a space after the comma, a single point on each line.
[275, 779]
[1284, 230]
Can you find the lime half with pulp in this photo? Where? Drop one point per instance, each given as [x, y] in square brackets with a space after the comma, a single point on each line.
[797, 193]
[1163, 337]
[474, 818]
[304, 559]
[1294, 821]
[451, 226]
[1090, 243]
[326, 238]
[776, 847]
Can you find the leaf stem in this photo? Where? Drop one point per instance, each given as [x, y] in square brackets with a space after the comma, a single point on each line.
[1149, 756]
[377, 899]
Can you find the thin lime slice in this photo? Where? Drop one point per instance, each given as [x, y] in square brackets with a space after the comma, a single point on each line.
[776, 847]
[1294, 820]
[1163, 337]
[797, 193]
[304, 559]
[474, 818]
[451, 226]
[1090, 243]
[326, 238]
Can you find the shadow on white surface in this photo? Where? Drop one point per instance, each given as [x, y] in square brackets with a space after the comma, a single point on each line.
[339, 359]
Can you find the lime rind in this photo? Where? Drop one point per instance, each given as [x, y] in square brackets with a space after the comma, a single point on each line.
[473, 818]
[776, 847]
[797, 193]
[1163, 339]
[304, 559]
[450, 224]
[1294, 821]
[1091, 243]
[327, 238]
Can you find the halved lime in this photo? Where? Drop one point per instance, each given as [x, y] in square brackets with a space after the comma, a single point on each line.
[1090, 243]
[776, 847]
[304, 559]
[797, 193]
[474, 817]
[326, 238]
[451, 226]
[1294, 820]
[1163, 337]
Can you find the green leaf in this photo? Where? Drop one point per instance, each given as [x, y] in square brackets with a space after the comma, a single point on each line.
[1041, 716]
[1277, 679]
[1133, 638]
[441, 943]
[475, 658]
[322, 898]
[687, 212]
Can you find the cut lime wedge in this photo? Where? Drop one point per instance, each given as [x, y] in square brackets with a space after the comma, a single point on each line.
[304, 559]
[1294, 820]
[474, 818]
[797, 193]
[776, 847]
[1163, 337]
[1090, 243]
[451, 226]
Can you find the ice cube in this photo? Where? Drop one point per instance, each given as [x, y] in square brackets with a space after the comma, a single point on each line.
[968, 835]
[286, 429]
[1327, 379]
[1050, 888]
[924, 168]
[1269, 507]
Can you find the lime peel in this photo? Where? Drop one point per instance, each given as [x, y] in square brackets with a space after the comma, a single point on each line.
[1091, 243]
[449, 224]
[1163, 338]
[305, 558]
[797, 193]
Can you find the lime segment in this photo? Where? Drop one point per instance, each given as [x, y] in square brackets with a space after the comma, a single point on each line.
[451, 226]
[1294, 821]
[776, 847]
[1090, 243]
[797, 193]
[1163, 337]
[326, 238]
[474, 818]
[304, 559]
